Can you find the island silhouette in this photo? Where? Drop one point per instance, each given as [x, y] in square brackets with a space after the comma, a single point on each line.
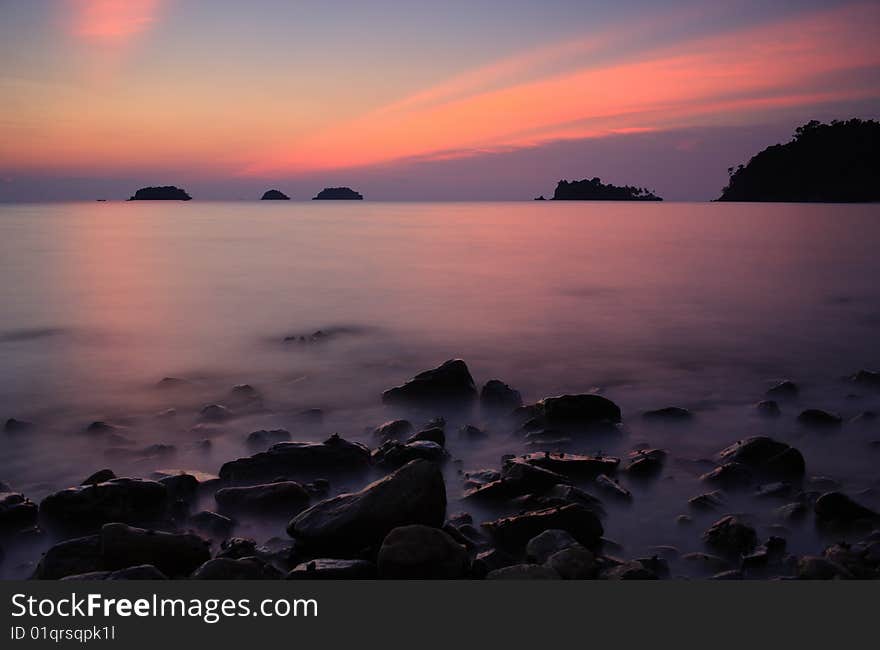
[338, 194]
[274, 195]
[595, 190]
[833, 163]
[162, 193]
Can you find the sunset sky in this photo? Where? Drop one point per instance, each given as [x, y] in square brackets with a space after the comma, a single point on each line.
[418, 99]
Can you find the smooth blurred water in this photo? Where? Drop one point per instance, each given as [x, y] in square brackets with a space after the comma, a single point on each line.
[698, 305]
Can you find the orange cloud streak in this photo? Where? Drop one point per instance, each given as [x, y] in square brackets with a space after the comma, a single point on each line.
[113, 21]
[755, 69]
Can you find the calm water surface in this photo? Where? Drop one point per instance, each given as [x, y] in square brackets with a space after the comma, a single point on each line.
[698, 305]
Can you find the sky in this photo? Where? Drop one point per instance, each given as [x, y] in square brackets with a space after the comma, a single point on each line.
[415, 99]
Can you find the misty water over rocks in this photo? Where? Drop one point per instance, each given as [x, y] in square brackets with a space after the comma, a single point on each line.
[150, 339]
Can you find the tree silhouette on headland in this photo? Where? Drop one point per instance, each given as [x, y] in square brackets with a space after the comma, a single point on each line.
[274, 195]
[163, 193]
[594, 190]
[837, 162]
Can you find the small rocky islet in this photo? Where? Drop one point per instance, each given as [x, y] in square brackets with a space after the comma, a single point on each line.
[541, 514]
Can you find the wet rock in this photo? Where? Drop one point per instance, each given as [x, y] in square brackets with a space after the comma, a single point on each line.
[561, 494]
[573, 464]
[777, 490]
[262, 439]
[331, 569]
[215, 413]
[731, 535]
[732, 574]
[668, 414]
[811, 567]
[71, 557]
[612, 488]
[768, 408]
[817, 418]
[470, 432]
[246, 568]
[573, 563]
[496, 395]
[101, 476]
[433, 434]
[393, 454]
[706, 563]
[211, 523]
[629, 571]
[450, 382]
[515, 531]
[684, 520]
[150, 451]
[246, 397]
[517, 478]
[16, 513]
[393, 430]
[766, 457]
[173, 554]
[837, 509]
[823, 483]
[289, 458]
[413, 494]
[730, 476]
[785, 389]
[172, 382]
[567, 412]
[791, 512]
[490, 560]
[237, 548]
[545, 544]
[88, 507]
[656, 565]
[865, 418]
[318, 488]
[421, 552]
[646, 463]
[17, 426]
[279, 499]
[476, 478]
[523, 572]
[766, 557]
[866, 379]
[166, 414]
[707, 502]
[184, 487]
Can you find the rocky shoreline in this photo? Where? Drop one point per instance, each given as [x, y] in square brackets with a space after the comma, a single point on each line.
[537, 515]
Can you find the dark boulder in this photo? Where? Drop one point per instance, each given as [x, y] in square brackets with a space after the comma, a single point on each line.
[101, 476]
[837, 509]
[708, 501]
[575, 465]
[646, 463]
[515, 531]
[731, 535]
[819, 419]
[451, 382]
[392, 454]
[211, 523]
[766, 456]
[730, 476]
[573, 563]
[785, 389]
[70, 557]
[517, 478]
[578, 411]
[421, 552]
[332, 569]
[16, 426]
[668, 414]
[431, 434]
[16, 513]
[246, 568]
[545, 544]
[393, 430]
[279, 499]
[172, 553]
[139, 572]
[413, 494]
[215, 413]
[612, 488]
[287, 458]
[183, 487]
[498, 396]
[274, 195]
[768, 408]
[262, 439]
[812, 567]
[867, 379]
[88, 507]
